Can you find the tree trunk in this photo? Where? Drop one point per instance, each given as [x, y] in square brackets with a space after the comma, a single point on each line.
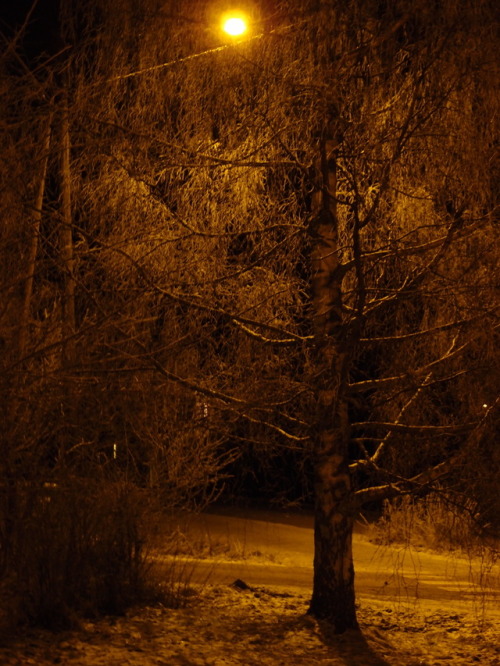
[33, 249]
[333, 596]
[66, 241]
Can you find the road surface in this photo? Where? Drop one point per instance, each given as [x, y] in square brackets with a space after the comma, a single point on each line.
[275, 549]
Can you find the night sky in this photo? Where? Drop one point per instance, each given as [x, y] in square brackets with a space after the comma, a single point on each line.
[41, 35]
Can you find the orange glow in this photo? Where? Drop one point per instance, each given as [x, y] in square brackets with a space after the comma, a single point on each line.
[234, 24]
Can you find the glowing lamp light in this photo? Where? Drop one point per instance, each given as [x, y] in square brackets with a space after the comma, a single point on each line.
[234, 25]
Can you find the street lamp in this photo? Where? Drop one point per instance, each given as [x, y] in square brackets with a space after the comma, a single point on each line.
[234, 24]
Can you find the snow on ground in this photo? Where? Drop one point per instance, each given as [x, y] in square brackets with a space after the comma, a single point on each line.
[425, 612]
[226, 626]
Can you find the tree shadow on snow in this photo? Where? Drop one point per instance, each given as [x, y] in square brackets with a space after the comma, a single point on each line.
[352, 647]
[302, 636]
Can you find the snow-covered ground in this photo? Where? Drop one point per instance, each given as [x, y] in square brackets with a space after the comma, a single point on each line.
[414, 607]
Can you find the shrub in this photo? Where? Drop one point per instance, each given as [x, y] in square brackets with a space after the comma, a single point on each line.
[436, 521]
[73, 548]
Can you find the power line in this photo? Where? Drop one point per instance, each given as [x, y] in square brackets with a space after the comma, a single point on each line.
[216, 49]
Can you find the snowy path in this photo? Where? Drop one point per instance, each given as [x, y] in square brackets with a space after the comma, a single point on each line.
[267, 548]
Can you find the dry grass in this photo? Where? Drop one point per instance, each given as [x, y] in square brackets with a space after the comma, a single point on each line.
[434, 522]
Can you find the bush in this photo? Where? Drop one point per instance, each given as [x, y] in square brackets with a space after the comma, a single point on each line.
[73, 548]
[435, 521]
